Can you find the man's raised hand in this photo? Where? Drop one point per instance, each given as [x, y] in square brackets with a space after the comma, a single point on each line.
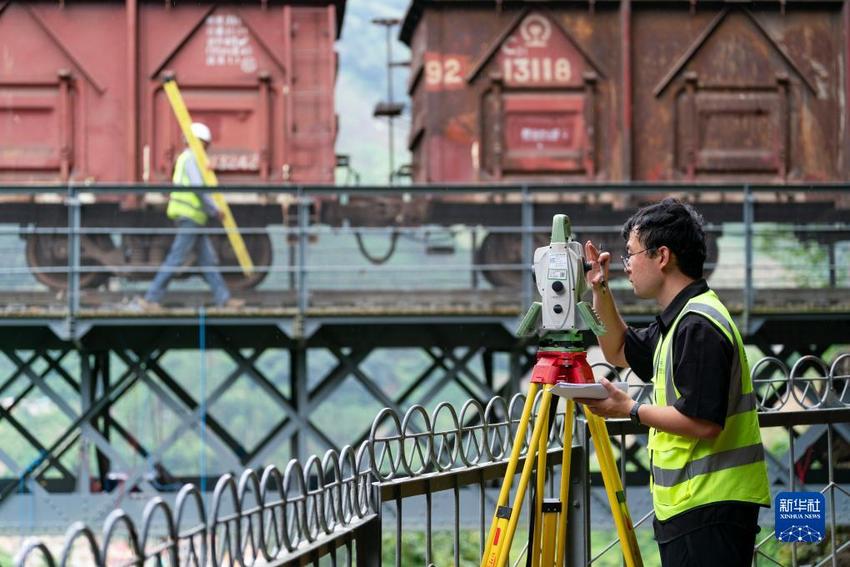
[598, 274]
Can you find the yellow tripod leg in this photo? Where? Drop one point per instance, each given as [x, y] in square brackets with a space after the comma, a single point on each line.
[552, 514]
[210, 180]
[566, 461]
[539, 426]
[614, 490]
[539, 536]
[496, 535]
[551, 511]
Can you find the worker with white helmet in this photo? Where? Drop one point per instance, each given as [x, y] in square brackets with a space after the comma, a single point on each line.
[190, 211]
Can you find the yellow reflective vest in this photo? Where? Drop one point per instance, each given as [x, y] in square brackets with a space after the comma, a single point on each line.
[689, 472]
[185, 204]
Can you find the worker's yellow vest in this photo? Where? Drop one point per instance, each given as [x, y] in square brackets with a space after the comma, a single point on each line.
[689, 472]
[185, 204]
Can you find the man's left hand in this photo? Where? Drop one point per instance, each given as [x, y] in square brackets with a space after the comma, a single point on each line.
[617, 404]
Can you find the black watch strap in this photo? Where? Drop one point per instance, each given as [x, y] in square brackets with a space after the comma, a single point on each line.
[633, 413]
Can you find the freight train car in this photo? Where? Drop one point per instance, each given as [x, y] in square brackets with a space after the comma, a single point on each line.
[81, 101]
[583, 94]
[630, 91]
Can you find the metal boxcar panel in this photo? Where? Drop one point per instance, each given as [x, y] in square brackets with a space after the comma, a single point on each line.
[505, 55]
[45, 83]
[544, 133]
[31, 118]
[313, 80]
[679, 92]
[725, 102]
[80, 94]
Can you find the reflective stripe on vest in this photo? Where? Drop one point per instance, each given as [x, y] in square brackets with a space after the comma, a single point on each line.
[690, 472]
[185, 204]
[737, 403]
[712, 463]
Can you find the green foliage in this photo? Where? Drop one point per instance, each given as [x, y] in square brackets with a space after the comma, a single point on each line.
[803, 263]
[599, 540]
[442, 548]
[807, 553]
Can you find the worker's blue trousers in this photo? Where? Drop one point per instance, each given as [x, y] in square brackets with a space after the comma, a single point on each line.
[186, 239]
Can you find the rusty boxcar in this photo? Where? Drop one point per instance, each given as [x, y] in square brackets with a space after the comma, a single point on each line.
[523, 92]
[629, 91]
[81, 101]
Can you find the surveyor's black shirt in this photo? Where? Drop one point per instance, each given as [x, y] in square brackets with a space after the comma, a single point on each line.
[702, 357]
[702, 365]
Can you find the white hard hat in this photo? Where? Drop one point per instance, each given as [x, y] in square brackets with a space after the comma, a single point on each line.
[201, 132]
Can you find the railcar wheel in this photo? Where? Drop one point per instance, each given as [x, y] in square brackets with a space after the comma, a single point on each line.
[712, 254]
[259, 247]
[505, 248]
[611, 242]
[50, 251]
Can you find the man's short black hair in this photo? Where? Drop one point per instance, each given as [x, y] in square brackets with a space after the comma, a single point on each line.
[677, 226]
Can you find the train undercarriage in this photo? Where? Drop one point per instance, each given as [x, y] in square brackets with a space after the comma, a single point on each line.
[132, 244]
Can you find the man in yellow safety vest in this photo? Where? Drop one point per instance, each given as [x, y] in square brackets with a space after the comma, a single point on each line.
[708, 473]
[190, 211]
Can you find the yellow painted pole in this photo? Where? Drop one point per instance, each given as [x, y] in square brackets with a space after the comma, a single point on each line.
[539, 426]
[540, 489]
[566, 461]
[550, 512]
[210, 180]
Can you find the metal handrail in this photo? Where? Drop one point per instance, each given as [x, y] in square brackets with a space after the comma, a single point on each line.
[326, 189]
[748, 197]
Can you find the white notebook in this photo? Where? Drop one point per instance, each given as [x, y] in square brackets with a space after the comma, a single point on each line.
[594, 391]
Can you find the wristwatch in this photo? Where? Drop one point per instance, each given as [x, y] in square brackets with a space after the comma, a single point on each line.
[633, 413]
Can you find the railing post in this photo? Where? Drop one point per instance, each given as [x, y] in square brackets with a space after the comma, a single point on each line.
[301, 277]
[527, 220]
[87, 391]
[73, 259]
[368, 543]
[473, 259]
[748, 257]
[300, 397]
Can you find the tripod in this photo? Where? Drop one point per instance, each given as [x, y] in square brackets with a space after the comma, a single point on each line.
[561, 358]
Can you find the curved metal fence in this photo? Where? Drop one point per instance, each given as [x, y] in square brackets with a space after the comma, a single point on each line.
[420, 443]
[310, 510]
[250, 520]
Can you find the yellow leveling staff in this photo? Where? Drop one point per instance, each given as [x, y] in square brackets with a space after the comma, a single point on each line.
[210, 180]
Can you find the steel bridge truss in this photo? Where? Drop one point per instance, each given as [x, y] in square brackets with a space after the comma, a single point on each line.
[120, 419]
[253, 395]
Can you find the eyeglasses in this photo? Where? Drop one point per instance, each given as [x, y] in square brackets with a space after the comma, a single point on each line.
[627, 259]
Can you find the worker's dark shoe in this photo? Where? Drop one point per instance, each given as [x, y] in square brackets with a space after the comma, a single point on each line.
[233, 303]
